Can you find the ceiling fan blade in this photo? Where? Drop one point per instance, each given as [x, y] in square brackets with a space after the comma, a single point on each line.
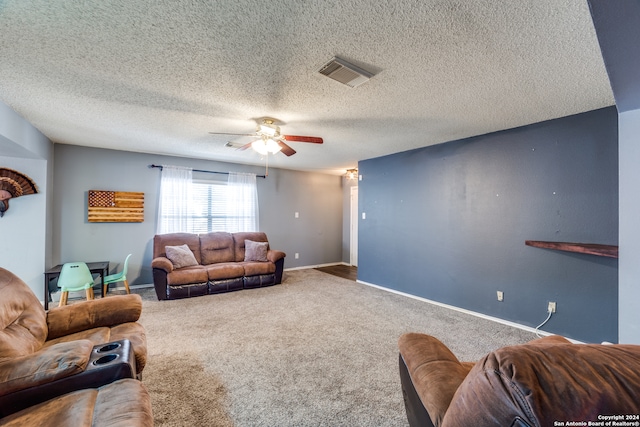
[286, 150]
[245, 146]
[225, 133]
[298, 138]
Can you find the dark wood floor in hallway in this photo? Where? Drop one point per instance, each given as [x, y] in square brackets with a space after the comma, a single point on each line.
[341, 270]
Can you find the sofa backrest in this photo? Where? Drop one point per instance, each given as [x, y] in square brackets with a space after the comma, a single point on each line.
[161, 241]
[538, 385]
[209, 248]
[23, 322]
[239, 238]
[217, 247]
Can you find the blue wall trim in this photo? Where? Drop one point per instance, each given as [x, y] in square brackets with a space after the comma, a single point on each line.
[448, 223]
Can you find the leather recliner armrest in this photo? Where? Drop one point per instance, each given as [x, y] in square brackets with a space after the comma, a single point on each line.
[274, 256]
[44, 366]
[436, 373]
[103, 312]
[539, 383]
[162, 263]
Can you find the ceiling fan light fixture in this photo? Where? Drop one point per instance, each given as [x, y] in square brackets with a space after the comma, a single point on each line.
[272, 146]
[265, 146]
[268, 129]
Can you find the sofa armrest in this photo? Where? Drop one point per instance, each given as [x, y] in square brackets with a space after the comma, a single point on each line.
[521, 385]
[49, 364]
[274, 256]
[434, 370]
[162, 263]
[103, 312]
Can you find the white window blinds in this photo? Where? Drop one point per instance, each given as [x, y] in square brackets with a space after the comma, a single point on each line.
[202, 206]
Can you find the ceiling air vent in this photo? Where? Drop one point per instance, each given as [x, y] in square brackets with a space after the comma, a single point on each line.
[345, 73]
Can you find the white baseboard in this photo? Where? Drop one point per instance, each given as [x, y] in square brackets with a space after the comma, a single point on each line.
[305, 267]
[141, 286]
[473, 313]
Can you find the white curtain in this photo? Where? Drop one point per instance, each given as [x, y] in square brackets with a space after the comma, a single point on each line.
[175, 200]
[242, 203]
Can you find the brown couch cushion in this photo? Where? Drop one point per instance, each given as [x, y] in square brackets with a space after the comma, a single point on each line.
[46, 365]
[122, 403]
[239, 242]
[256, 268]
[95, 335]
[23, 327]
[187, 276]
[161, 241]
[225, 270]
[217, 247]
[537, 385]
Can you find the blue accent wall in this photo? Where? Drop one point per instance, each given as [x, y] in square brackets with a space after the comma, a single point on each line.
[448, 223]
[617, 24]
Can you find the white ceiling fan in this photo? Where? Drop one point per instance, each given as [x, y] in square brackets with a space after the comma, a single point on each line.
[269, 140]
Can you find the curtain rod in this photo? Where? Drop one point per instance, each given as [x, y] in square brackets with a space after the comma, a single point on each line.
[205, 171]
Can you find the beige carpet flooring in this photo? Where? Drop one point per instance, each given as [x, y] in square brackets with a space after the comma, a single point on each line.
[316, 350]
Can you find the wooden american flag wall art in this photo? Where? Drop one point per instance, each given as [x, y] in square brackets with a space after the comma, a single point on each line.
[115, 206]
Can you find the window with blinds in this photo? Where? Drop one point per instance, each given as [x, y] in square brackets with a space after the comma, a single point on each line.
[209, 208]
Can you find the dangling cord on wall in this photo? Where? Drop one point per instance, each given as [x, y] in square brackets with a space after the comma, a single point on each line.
[542, 324]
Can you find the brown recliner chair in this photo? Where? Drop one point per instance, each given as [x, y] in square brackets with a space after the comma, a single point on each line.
[125, 402]
[545, 381]
[38, 348]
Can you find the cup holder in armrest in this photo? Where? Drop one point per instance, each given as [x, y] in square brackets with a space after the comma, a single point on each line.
[108, 362]
[109, 347]
[107, 358]
[113, 358]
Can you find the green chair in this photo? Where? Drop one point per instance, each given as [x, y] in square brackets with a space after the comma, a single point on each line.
[75, 276]
[118, 277]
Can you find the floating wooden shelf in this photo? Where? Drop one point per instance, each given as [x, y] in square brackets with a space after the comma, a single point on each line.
[583, 248]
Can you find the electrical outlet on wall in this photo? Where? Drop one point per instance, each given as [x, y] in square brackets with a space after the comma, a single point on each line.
[551, 307]
[297, 255]
[500, 295]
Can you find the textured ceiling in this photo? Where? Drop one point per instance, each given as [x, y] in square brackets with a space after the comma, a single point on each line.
[156, 76]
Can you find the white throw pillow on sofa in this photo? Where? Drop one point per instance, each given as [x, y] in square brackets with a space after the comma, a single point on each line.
[180, 256]
[255, 251]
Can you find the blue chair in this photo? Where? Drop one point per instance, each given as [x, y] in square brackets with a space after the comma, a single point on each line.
[118, 277]
[75, 276]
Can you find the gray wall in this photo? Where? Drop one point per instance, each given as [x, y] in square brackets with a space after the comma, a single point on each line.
[316, 235]
[448, 223]
[617, 23]
[346, 219]
[25, 229]
[629, 291]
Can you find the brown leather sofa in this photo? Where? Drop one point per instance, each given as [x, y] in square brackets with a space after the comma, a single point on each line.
[124, 402]
[45, 354]
[545, 382]
[222, 264]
